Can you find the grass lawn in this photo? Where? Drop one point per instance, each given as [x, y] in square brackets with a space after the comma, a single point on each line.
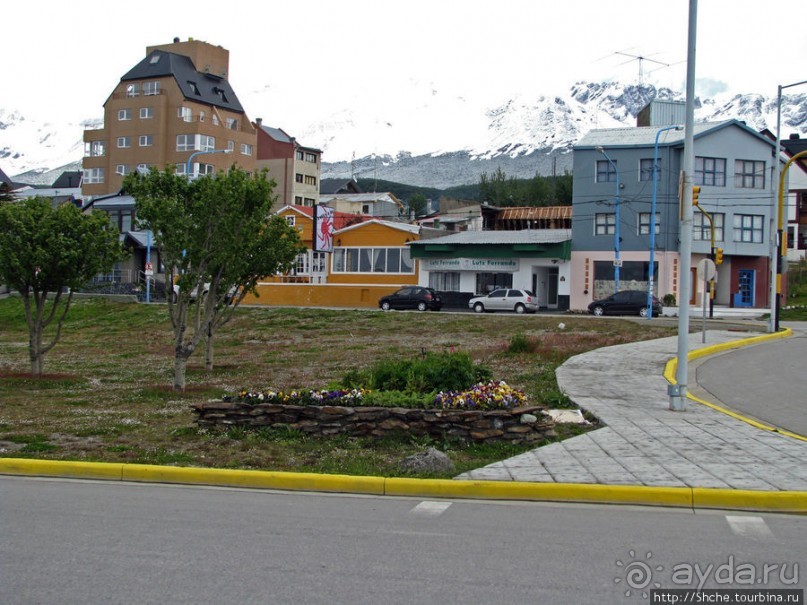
[107, 395]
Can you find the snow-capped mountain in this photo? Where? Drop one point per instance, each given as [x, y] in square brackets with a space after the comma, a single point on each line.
[428, 136]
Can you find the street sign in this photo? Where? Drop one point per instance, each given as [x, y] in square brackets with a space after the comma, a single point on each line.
[618, 262]
[706, 269]
[149, 270]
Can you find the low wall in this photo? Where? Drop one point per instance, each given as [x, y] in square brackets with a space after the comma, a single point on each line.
[521, 425]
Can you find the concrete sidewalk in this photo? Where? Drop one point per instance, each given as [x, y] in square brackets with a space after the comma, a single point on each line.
[644, 442]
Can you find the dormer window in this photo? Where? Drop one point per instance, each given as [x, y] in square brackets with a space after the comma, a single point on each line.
[194, 88]
[220, 92]
[154, 59]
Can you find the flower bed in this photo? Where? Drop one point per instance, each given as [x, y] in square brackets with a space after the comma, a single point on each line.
[488, 411]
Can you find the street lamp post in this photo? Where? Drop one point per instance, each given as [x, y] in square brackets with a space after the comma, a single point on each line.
[196, 153]
[778, 258]
[653, 221]
[617, 261]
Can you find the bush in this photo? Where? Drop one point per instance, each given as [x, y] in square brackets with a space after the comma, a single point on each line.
[520, 343]
[668, 300]
[430, 373]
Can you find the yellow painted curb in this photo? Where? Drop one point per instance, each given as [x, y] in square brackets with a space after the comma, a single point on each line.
[672, 365]
[671, 368]
[61, 468]
[785, 502]
[682, 497]
[254, 479]
[556, 492]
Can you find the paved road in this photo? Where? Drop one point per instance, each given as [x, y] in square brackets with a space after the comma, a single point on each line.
[92, 542]
[767, 382]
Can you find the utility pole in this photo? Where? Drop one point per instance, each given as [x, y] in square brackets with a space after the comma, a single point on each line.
[678, 392]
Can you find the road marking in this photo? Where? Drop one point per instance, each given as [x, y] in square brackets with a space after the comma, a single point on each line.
[749, 527]
[430, 509]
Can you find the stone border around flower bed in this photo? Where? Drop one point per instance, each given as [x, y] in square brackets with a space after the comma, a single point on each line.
[518, 425]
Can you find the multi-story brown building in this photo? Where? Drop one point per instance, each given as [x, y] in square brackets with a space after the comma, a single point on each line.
[295, 168]
[175, 107]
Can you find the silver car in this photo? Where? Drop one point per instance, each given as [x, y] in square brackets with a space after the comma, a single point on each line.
[505, 299]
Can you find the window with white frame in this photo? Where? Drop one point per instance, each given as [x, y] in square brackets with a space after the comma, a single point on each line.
[710, 171]
[201, 116]
[246, 149]
[93, 176]
[702, 228]
[606, 171]
[749, 174]
[230, 146]
[132, 89]
[372, 260]
[124, 142]
[206, 143]
[445, 281]
[646, 169]
[151, 88]
[122, 169]
[145, 140]
[318, 262]
[185, 114]
[94, 149]
[124, 114]
[143, 168]
[214, 118]
[748, 228]
[605, 223]
[146, 113]
[644, 223]
[231, 123]
[186, 142]
[301, 264]
[291, 221]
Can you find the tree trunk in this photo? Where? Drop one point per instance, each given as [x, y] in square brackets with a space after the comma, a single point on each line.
[35, 350]
[209, 350]
[180, 363]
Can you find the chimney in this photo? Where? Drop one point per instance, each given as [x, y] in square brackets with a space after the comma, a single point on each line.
[259, 121]
[795, 136]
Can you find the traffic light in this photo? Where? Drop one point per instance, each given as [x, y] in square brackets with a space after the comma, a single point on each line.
[696, 191]
[718, 256]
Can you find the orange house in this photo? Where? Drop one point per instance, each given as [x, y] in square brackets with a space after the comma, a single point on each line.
[370, 258]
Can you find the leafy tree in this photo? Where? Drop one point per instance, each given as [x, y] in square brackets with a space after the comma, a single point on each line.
[418, 204]
[45, 251]
[215, 235]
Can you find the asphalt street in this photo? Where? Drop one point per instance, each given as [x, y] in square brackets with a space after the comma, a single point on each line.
[89, 542]
[767, 382]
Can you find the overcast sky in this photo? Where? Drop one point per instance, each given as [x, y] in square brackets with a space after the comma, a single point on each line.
[290, 60]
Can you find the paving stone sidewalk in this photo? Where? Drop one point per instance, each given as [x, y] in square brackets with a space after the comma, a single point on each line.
[644, 442]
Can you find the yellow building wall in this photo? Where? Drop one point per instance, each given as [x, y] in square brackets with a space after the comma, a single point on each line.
[341, 289]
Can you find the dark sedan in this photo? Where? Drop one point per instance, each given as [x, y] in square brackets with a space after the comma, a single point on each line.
[412, 297]
[626, 302]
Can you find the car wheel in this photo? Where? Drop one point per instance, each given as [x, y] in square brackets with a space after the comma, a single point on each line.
[598, 311]
[421, 306]
[520, 308]
[643, 312]
[479, 308]
[385, 306]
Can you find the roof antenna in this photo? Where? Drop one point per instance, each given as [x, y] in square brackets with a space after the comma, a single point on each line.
[640, 59]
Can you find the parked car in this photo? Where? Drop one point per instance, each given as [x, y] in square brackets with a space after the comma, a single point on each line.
[412, 297]
[505, 299]
[626, 302]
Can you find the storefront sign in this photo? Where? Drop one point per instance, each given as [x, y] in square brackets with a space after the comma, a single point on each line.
[487, 265]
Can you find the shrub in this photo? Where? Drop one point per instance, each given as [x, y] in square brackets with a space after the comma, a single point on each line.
[668, 300]
[430, 373]
[520, 343]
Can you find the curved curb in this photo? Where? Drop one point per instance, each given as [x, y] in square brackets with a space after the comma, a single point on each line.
[671, 368]
[681, 497]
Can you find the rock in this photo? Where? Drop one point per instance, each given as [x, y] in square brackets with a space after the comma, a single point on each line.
[430, 461]
[528, 419]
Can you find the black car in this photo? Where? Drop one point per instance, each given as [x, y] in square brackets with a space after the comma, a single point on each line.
[626, 302]
[412, 297]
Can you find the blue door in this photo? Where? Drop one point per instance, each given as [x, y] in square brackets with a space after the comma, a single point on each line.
[745, 297]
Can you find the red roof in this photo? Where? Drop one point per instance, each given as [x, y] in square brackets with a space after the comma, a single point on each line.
[340, 219]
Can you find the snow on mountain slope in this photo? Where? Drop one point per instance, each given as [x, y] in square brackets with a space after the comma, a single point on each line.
[428, 135]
